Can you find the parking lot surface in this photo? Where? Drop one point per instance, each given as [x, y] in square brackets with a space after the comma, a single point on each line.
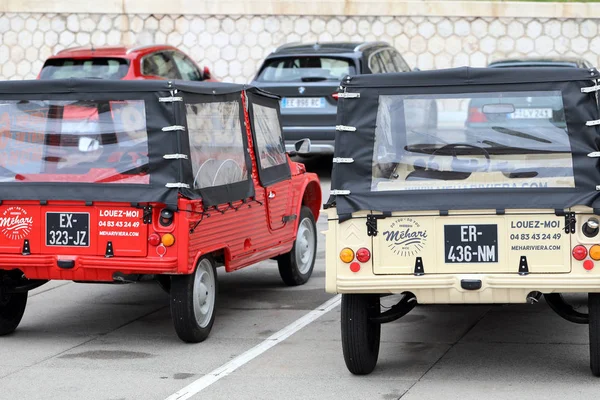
[80, 341]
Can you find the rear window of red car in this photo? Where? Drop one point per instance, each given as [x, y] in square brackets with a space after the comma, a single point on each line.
[104, 68]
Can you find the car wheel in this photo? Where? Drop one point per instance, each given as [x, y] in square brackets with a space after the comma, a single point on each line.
[360, 336]
[594, 310]
[12, 308]
[164, 281]
[193, 301]
[295, 267]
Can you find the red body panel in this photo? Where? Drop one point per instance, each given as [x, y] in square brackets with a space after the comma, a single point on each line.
[134, 55]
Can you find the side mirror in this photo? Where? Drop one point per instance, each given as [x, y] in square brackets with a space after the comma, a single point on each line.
[87, 144]
[206, 74]
[416, 69]
[302, 148]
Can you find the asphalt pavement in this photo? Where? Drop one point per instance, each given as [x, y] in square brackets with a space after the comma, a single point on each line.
[96, 341]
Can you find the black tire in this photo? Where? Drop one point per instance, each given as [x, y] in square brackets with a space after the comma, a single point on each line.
[594, 310]
[164, 281]
[12, 308]
[360, 336]
[296, 267]
[194, 301]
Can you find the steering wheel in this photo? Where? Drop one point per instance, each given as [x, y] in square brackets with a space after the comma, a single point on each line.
[234, 168]
[454, 146]
[207, 183]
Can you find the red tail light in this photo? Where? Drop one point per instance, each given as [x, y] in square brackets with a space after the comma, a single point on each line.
[154, 239]
[475, 115]
[335, 95]
[363, 255]
[579, 252]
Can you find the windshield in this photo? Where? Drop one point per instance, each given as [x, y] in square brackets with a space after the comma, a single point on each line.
[306, 69]
[471, 141]
[73, 141]
[105, 68]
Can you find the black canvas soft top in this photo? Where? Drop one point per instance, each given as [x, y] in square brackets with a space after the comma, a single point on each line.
[352, 173]
[470, 76]
[167, 137]
[81, 86]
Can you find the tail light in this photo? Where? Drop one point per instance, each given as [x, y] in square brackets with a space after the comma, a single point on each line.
[363, 255]
[168, 240]
[347, 255]
[579, 252]
[475, 115]
[154, 239]
[335, 95]
[595, 252]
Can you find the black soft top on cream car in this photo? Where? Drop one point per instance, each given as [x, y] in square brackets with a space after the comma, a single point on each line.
[509, 111]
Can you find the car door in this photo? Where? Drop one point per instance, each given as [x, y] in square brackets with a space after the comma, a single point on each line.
[187, 69]
[273, 167]
[387, 61]
[161, 65]
[375, 64]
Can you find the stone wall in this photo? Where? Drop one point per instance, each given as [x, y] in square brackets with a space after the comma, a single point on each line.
[233, 46]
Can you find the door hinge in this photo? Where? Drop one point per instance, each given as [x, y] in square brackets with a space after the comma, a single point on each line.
[147, 215]
[372, 223]
[570, 222]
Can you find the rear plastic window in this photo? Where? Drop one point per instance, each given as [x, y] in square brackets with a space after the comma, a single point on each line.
[472, 141]
[104, 68]
[306, 69]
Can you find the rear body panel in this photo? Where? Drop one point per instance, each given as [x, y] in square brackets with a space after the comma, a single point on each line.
[550, 266]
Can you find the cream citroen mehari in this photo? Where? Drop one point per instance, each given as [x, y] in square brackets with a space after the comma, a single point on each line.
[496, 200]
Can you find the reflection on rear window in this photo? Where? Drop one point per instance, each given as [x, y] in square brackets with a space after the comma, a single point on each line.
[472, 141]
[105, 68]
[306, 69]
[73, 141]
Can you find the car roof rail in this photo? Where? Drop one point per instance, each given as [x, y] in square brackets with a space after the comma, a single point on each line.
[286, 45]
[146, 46]
[366, 45]
[70, 49]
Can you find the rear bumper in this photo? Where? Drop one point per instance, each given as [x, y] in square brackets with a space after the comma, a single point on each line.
[325, 148]
[322, 137]
[86, 268]
[447, 289]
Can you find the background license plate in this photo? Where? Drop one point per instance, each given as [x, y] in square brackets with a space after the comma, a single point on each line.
[532, 113]
[303, 102]
[67, 229]
[471, 243]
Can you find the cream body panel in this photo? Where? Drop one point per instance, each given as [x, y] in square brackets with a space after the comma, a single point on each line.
[551, 269]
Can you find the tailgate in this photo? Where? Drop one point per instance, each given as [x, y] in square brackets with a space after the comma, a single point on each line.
[76, 230]
[472, 244]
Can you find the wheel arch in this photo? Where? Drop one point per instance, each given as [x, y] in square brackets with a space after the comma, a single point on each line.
[311, 197]
[220, 253]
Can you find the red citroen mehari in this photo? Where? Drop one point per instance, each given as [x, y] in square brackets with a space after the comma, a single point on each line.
[115, 181]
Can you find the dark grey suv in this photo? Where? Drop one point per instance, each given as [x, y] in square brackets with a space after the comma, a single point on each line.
[307, 77]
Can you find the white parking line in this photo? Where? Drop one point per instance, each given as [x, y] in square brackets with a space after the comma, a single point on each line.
[278, 337]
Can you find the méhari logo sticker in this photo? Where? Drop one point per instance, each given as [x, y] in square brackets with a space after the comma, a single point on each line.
[405, 238]
[15, 223]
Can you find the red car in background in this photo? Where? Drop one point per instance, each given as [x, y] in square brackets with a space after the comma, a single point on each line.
[120, 62]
